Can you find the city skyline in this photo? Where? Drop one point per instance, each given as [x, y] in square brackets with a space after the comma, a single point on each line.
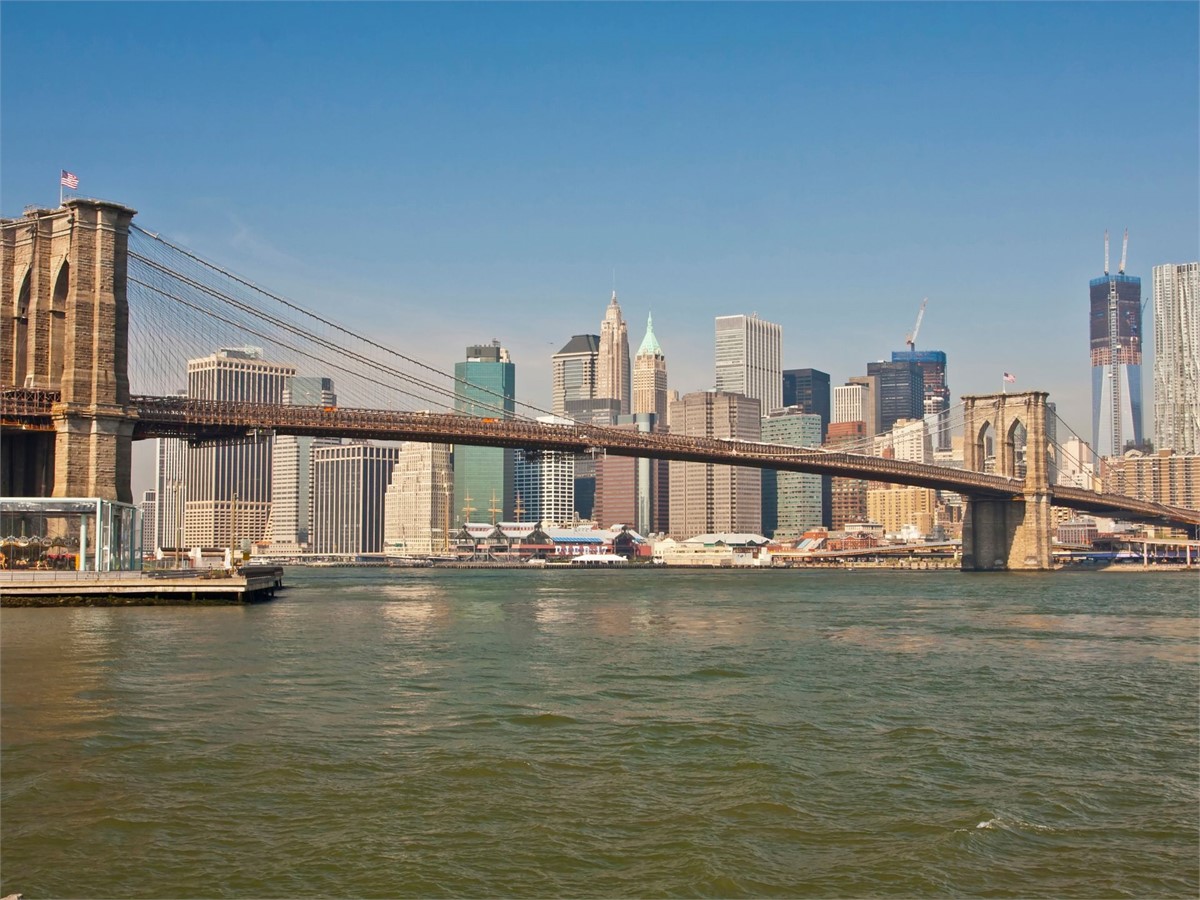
[910, 150]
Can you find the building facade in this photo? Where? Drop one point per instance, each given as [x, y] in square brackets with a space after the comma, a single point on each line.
[349, 482]
[809, 390]
[291, 469]
[545, 483]
[1177, 358]
[848, 496]
[149, 512]
[871, 412]
[895, 507]
[708, 498]
[485, 386]
[170, 491]
[932, 364]
[613, 373]
[749, 351]
[849, 403]
[650, 378]
[417, 515]
[901, 391]
[631, 491]
[228, 484]
[1160, 477]
[1116, 354]
[573, 372]
[793, 502]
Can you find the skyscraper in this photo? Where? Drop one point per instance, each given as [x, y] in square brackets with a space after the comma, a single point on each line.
[809, 390]
[748, 354]
[901, 392]
[149, 510]
[291, 469]
[417, 517]
[849, 403]
[612, 364]
[1116, 349]
[228, 485]
[170, 491]
[932, 364]
[793, 502]
[573, 370]
[707, 498]
[545, 482]
[632, 491]
[650, 378]
[485, 386]
[349, 482]
[871, 410]
[1177, 358]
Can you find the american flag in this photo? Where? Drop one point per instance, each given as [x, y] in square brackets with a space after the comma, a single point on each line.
[1010, 379]
[69, 179]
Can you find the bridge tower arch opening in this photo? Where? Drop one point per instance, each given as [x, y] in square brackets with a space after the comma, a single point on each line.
[20, 326]
[1009, 533]
[57, 321]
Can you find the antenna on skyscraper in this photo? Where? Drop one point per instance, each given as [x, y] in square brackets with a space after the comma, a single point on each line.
[1105, 251]
[1124, 249]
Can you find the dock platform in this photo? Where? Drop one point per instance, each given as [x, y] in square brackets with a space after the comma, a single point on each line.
[185, 587]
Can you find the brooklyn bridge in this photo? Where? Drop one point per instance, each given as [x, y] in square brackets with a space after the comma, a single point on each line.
[99, 317]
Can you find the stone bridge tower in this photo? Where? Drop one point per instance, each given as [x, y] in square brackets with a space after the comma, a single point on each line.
[1008, 533]
[64, 326]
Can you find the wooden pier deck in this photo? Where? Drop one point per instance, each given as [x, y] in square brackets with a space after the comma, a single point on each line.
[171, 588]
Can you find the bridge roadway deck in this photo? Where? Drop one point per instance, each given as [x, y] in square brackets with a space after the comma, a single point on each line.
[213, 420]
[181, 417]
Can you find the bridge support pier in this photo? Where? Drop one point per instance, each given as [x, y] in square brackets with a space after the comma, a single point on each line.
[1006, 534]
[1003, 432]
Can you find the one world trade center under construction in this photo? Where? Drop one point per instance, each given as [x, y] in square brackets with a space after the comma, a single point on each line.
[1116, 350]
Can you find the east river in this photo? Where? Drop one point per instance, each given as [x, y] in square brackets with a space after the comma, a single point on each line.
[377, 733]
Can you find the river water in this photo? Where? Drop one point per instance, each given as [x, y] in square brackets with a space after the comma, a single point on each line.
[378, 733]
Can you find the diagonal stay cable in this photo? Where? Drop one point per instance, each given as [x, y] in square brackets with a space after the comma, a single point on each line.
[241, 327]
[298, 332]
[329, 324]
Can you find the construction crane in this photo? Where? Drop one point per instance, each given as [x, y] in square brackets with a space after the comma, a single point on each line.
[1105, 251]
[911, 339]
[1124, 250]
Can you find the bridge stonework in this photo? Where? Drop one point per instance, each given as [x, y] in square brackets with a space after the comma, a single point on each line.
[1002, 533]
[65, 328]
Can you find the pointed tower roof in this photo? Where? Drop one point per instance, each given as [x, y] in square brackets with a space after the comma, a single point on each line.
[650, 342]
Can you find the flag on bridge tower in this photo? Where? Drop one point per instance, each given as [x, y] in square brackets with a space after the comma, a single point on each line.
[66, 180]
[1010, 379]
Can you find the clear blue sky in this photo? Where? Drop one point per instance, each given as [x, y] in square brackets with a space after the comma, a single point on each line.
[446, 174]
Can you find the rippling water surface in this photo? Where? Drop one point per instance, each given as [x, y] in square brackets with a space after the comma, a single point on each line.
[396, 733]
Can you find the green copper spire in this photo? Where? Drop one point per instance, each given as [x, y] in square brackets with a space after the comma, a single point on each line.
[650, 342]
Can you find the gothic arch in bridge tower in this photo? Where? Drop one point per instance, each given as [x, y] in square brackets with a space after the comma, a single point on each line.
[20, 334]
[1008, 533]
[58, 322]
